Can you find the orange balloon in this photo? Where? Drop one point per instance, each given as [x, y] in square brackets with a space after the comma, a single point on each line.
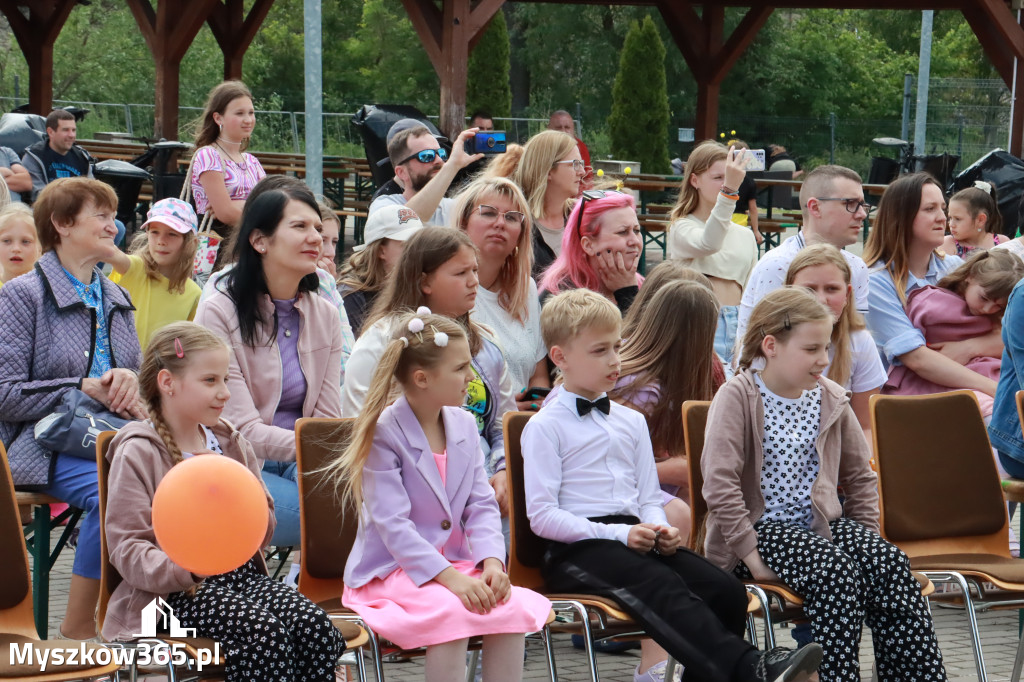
[210, 514]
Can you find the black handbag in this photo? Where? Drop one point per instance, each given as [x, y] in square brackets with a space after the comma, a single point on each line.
[73, 427]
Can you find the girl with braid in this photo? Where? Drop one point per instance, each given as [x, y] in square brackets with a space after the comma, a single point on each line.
[268, 630]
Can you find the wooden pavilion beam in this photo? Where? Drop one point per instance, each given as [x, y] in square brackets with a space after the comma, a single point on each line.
[448, 34]
[36, 32]
[234, 31]
[710, 58]
[169, 31]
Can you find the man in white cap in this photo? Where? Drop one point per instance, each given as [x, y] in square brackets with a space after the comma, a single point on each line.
[391, 225]
[421, 171]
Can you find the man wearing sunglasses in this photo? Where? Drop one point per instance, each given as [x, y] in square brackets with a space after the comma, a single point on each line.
[833, 206]
[424, 171]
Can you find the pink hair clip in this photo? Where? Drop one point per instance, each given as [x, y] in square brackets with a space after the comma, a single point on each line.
[178, 350]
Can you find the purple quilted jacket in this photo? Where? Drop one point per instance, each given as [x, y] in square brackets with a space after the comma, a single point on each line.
[46, 346]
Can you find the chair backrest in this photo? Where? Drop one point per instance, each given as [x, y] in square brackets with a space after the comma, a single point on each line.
[16, 612]
[938, 484]
[328, 529]
[695, 419]
[527, 550]
[110, 578]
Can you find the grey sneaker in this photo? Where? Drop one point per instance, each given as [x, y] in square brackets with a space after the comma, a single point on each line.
[786, 665]
[656, 673]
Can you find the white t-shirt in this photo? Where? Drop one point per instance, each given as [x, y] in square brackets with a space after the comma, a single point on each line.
[866, 370]
[553, 238]
[441, 218]
[520, 342]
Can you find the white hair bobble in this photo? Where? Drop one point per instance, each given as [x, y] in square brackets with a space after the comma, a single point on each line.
[983, 186]
[423, 310]
[416, 325]
[440, 339]
[405, 341]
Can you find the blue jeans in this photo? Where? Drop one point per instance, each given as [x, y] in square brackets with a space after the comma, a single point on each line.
[282, 482]
[725, 334]
[1013, 467]
[76, 482]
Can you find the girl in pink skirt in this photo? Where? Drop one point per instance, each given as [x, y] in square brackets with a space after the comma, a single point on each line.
[427, 568]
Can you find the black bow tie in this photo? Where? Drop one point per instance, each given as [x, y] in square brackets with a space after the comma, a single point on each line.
[584, 406]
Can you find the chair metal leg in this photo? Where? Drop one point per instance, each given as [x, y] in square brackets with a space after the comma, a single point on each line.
[766, 611]
[549, 653]
[972, 618]
[474, 660]
[41, 567]
[670, 669]
[588, 639]
[1018, 661]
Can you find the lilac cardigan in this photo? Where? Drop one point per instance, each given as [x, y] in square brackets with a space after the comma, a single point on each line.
[46, 346]
[408, 512]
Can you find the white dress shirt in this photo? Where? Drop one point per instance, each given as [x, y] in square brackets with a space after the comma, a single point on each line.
[577, 468]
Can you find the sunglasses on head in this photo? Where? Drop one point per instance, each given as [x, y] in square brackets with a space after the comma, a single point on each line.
[426, 156]
[591, 195]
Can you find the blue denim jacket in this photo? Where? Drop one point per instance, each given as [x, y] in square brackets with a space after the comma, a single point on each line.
[1004, 429]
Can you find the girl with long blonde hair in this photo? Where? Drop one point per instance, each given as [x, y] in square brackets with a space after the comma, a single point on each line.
[427, 567]
[853, 361]
[703, 236]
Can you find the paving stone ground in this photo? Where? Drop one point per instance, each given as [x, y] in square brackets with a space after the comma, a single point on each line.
[998, 632]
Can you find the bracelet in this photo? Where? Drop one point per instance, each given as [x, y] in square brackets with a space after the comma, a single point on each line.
[728, 191]
[732, 196]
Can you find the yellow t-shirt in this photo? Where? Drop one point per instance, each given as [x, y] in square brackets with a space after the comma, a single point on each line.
[155, 306]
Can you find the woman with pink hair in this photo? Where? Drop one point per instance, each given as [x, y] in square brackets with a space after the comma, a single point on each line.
[601, 247]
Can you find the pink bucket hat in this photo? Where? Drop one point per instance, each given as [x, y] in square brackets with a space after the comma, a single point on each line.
[175, 213]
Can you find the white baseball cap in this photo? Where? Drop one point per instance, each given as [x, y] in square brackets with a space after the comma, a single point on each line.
[393, 221]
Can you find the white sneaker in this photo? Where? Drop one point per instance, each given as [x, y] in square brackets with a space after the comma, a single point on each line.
[656, 673]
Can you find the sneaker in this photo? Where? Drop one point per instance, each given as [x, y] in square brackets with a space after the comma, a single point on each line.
[786, 665]
[656, 673]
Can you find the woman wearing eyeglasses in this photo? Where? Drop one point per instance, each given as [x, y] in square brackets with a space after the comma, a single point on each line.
[704, 237]
[493, 212]
[550, 174]
[601, 249]
[904, 253]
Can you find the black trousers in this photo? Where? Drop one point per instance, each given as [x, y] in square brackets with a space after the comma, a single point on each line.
[694, 610]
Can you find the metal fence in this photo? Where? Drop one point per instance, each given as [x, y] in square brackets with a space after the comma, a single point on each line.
[277, 131]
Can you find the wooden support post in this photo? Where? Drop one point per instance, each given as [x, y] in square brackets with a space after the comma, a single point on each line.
[234, 31]
[448, 35]
[36, 34]
[700, 40]
[1016, 143]
[169, 31]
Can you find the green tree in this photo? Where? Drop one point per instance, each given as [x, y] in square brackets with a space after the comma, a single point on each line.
[638, 124]
[488, 86]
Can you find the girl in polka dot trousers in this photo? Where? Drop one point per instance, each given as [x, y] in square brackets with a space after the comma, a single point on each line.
[780, 440]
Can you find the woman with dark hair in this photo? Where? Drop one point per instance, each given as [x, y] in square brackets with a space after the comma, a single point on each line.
[286, 338]
[904, 253]
[66, 326]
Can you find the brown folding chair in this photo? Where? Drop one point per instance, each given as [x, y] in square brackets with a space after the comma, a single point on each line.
[941, 499]
[327, 530]
[17, 621]
[789, 605]
[610, 621]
